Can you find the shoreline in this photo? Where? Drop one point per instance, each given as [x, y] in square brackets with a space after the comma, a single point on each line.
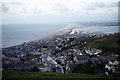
[59, 32]
[49, 36]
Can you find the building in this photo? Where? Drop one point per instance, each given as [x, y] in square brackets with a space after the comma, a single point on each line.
[82, 59]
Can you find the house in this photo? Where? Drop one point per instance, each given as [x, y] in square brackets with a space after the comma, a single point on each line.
[94, 59]
[59, 69]
[112, 68]
[7, 61]
[23, 55]
[111, 57]
[82, 59]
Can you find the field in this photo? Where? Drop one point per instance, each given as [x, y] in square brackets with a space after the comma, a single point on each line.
[25, 75]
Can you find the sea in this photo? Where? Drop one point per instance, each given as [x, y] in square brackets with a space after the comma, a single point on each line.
[102, 29]
[15, 34]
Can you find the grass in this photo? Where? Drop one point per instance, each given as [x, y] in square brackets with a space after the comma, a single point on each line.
[76, 36]
[32, 57]
[109, 44]
[21, 74]
[60, 36]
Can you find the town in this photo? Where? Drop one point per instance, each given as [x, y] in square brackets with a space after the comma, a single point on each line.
[63, 54]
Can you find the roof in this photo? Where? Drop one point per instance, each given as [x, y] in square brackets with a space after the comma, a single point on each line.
[82, 57]
[109, 57]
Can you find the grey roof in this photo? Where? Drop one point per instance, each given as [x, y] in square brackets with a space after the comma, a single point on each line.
[82, 57]
[109, 57]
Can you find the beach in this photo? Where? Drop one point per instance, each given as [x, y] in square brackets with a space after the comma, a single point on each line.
[25, 34]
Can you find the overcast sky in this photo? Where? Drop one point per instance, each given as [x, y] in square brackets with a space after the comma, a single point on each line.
[58, 11]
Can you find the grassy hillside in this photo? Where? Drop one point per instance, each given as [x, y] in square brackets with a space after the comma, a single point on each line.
[20, 74]
[109, 44]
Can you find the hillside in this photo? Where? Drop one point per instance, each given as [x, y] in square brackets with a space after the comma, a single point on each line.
[109, 44]
[44, 75]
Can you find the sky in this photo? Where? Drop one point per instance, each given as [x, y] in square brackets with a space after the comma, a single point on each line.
[58, 11]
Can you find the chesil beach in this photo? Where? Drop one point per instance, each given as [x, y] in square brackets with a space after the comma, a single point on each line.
[59, 32]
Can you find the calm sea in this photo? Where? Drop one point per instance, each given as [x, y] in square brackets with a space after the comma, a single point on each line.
[14, 34]
[103, 29]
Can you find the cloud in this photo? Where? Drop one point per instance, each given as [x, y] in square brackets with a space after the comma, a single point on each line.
[36, 11]
[4, 8]
[32, 8]
[63, 10]
[15, 3]
[60, 8]
[13, 8]
[98, 5]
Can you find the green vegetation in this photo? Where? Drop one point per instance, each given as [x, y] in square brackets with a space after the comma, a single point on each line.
[76, 36]
[109, 44]
[20, 74]
[32, 56]
[60, 36]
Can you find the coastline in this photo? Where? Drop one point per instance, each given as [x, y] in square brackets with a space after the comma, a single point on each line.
[50, 36]
[59, 32]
